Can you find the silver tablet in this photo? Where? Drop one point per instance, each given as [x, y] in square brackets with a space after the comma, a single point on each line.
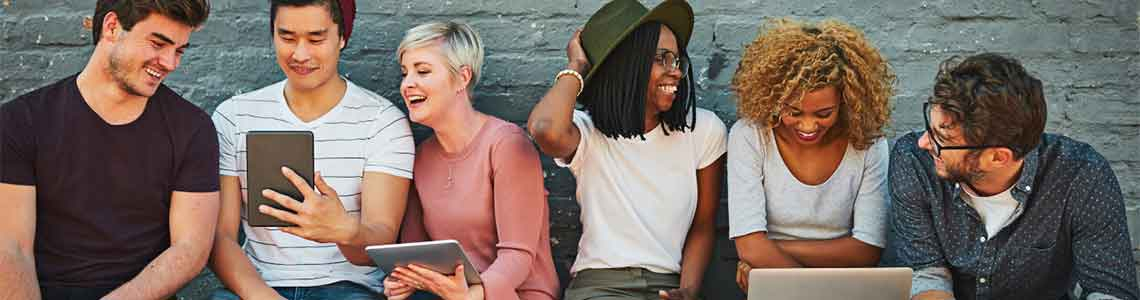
[440, 256]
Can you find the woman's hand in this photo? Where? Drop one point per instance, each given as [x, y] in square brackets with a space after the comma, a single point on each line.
[394, 289]
[447, 287]
[742, 269]
[577, 55]
[678, 294]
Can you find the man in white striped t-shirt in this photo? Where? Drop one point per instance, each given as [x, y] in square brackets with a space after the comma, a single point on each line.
[363, 150]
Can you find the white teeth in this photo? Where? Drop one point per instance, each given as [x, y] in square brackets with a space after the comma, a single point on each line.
[153, 73]
[416, 98]
[668, 89]
[807, 135]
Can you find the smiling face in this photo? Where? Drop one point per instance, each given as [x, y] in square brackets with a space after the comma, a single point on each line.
[952, 165]
[811, 120]
[140, 59]
[307, 44]
[430, 89]
[663, 84]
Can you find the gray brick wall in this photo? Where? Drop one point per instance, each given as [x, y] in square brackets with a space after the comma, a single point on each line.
[1087, 52]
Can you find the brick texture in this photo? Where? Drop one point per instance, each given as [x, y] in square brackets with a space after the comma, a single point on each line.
[1087, 52]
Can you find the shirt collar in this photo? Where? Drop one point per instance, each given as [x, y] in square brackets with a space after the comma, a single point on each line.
[1024, 185]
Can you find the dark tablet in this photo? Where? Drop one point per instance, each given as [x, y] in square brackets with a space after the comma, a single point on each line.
[267, 152]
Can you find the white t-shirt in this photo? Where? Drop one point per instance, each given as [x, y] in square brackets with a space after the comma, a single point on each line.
[638, 197]
[362, 133]
[763, 195]
[997, 211]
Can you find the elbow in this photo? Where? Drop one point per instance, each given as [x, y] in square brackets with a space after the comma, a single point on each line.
[871, 256]
[360, 261]
[541, 129]
[545, 135]
[864, 254]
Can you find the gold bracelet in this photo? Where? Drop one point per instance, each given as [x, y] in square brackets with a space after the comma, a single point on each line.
[581, 82]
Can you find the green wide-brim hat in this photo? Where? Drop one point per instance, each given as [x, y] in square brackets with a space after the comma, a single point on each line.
[617, 19]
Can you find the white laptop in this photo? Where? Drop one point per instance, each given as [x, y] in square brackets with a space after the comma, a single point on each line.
[829, 283]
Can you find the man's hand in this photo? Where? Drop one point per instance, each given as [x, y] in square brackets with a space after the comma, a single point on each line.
[320, 218]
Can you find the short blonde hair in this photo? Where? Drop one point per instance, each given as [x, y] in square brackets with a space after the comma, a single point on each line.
[459, 42]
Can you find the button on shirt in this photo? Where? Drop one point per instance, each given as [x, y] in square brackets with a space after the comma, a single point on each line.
[1070, 238]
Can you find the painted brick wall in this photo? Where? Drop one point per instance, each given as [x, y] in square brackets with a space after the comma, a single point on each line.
[1087, 52]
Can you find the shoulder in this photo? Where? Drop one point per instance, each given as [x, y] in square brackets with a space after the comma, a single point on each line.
[507, 136]
[905, 146]
[709, 121]
[366, 101]
[744, 129]
[1064, 155]
[265, 95]
[880, 149]
[181, 111]
[37, 100]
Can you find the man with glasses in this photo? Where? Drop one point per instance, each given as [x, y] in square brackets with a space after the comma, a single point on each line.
[987, 206]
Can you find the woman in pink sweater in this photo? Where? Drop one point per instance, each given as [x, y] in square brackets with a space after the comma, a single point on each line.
[478, 180]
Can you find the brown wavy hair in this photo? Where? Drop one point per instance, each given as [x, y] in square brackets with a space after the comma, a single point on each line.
[789, 59]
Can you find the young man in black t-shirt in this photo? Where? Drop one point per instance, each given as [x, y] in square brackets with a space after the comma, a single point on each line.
[109, 178]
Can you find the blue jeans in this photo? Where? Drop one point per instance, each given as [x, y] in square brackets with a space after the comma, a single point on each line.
[342, 290]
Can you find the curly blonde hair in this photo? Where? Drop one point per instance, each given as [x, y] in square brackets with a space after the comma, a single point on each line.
[789, 59]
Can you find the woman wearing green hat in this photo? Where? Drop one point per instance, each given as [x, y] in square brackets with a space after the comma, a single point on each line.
[647, 161]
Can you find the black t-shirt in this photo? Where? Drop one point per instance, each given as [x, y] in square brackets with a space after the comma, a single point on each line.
[103, 191]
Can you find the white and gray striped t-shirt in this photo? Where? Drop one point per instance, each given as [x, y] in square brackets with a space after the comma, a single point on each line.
[363, 133]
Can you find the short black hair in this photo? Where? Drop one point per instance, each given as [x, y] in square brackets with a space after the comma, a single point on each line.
[192, 13]
[615, 95]
[994, 100]
[333, 7]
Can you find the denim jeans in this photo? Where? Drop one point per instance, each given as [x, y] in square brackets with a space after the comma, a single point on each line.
[342, 290]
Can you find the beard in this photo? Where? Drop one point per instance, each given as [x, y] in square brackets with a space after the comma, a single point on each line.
[966, 171]
[120, 72]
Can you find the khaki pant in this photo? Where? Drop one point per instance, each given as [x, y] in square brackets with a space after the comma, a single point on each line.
[620, 284]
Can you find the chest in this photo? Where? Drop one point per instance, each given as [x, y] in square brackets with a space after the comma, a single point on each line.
[455, 193]
[812, 166]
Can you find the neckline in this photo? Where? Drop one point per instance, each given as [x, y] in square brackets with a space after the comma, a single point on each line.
[467, 149]
[91, 110]
[332, 113]
[788, 171]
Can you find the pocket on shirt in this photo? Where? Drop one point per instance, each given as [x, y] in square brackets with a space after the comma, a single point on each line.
[1032, 259]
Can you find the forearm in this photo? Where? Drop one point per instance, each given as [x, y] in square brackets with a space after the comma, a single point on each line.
[696, 254]
[234, 269]
[165, 274]
[758, 251]
[553, 115]
[18, 275]
[840, 252]
[365, 235]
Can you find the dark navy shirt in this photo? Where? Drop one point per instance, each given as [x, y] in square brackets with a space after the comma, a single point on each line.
[1070, 239]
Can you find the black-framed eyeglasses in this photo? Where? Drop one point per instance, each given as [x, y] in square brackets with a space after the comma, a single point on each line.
[926, 110]
[671, 61]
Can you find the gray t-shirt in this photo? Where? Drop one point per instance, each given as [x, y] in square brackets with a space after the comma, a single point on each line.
[763, 195]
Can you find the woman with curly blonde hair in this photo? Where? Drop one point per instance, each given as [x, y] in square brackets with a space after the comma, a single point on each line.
[807, 161]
